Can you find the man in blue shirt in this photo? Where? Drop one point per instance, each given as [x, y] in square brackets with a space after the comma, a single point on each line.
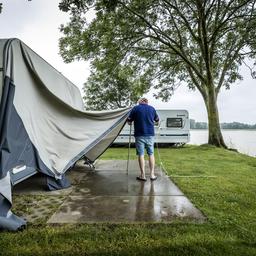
[144, 117]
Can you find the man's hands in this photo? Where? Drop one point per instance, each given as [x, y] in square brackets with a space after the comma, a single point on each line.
[129, 121]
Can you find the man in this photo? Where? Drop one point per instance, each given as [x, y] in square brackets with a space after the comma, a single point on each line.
[144, 116]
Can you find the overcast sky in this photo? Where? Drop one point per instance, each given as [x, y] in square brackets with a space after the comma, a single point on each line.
[37, 24]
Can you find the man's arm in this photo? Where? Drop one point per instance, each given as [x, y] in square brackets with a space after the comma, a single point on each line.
[156, 118]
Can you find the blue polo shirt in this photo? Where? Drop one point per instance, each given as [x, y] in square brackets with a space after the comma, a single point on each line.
[143, 116]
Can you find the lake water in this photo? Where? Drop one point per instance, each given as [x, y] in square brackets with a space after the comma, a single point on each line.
[242, 140]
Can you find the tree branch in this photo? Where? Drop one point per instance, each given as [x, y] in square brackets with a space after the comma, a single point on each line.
[228, 61]
[223, 21]
[150, 49]
[186, 22]
[176, 26]
[250, 68]
[204, 41]
[197, 84]
[176, 48]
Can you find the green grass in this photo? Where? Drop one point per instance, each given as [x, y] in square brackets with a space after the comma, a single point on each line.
[227, 199]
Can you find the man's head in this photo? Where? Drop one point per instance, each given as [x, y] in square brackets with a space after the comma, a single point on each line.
[143, 101]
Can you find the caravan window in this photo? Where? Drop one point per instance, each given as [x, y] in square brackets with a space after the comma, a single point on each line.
[174, 122]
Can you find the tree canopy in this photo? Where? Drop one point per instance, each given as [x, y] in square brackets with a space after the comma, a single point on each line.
[198, 43]
[118, 90]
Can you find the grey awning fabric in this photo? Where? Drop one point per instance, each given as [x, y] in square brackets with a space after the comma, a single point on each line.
[42, 120]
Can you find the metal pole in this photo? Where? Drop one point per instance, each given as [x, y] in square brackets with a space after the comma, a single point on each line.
[128, 158]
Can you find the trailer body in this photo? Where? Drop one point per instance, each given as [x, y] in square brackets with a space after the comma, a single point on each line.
[173, 128]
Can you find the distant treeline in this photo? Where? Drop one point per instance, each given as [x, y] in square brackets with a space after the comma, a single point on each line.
[233, 125]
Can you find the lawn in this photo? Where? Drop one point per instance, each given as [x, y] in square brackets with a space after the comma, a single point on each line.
[219, 182]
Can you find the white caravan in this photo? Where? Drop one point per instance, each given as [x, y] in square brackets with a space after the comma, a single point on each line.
[173, 128]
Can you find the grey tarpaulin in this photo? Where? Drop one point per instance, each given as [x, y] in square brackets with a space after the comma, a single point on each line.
[43, 125]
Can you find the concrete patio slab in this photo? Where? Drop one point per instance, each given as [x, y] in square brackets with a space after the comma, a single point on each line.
[108, 194]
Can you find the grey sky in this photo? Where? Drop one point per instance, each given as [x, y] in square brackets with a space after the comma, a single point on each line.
[36, 23]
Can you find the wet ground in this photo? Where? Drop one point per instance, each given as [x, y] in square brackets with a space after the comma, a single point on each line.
[110, 194]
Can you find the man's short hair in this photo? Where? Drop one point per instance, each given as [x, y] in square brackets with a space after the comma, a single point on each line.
[143, 100]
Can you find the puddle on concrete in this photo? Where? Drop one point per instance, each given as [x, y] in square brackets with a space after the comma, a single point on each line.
[126, 209]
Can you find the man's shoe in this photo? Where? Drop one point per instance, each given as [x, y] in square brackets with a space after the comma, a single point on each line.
[153, 178]
[141, 178]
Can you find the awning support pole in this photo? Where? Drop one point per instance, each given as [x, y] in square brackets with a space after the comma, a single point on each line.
[129, 146]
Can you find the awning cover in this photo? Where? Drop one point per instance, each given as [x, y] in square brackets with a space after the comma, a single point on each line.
[43, 125]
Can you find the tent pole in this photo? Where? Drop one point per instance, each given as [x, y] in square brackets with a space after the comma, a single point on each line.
[129, 146]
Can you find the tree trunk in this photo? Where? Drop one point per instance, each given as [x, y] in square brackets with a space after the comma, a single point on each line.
[214, 136]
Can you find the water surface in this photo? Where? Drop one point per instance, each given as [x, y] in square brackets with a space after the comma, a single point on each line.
[242, 140]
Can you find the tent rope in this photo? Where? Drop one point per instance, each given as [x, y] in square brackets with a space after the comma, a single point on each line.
[158, 151]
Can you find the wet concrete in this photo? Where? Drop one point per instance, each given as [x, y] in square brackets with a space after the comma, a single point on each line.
[108, 194]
